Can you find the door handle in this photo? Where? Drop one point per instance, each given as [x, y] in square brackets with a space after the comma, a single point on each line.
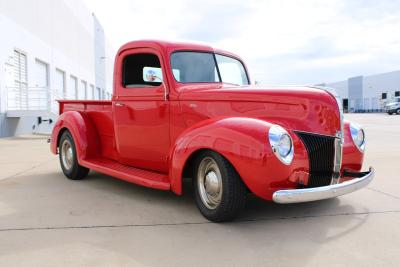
[119, 104]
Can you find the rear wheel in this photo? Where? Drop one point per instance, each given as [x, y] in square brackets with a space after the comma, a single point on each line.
[398, 111]
[390, 113]
[219, 192]
[68, 158]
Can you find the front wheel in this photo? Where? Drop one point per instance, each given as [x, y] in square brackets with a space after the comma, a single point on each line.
[68, 158]
[219, 192]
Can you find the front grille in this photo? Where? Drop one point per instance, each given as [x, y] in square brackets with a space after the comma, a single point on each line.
[321, 153]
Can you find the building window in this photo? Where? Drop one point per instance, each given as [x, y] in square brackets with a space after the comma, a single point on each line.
[20, 70]
[397, 93]
[16, 80]
[384, 95]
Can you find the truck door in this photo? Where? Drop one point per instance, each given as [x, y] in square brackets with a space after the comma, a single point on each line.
[141, 110]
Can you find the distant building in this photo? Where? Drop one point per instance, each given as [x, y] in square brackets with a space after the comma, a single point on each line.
[49, 49]
[368, 93]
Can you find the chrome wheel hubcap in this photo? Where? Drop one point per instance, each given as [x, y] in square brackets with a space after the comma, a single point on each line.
[67, 154]
[209, 183]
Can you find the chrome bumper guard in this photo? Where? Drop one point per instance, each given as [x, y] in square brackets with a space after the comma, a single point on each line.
[361, 180]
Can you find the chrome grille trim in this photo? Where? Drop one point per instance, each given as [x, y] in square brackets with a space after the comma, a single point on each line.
[321, 155]
[337, 164]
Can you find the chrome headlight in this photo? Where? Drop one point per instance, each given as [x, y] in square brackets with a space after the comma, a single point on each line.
[281, 143]
[358, 136]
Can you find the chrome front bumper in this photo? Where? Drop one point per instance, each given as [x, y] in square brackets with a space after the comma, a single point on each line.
[323, 192]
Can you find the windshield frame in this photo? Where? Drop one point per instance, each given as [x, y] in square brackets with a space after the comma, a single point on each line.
[214, 53]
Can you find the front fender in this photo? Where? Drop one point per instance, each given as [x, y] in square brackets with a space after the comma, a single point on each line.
[82, 130]
[352, 157]
[244, 143]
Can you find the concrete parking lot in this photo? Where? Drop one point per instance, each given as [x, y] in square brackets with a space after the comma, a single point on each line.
[48, 220]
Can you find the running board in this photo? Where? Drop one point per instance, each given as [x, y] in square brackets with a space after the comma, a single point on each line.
[127, 173]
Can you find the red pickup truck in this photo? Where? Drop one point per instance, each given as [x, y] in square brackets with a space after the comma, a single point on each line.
[188, 110]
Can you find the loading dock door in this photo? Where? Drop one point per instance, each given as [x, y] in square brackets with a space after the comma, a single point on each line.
[345, 105]
[82, 93]
[60, 84]
[73, 88]
[60, 91]
[38, 95]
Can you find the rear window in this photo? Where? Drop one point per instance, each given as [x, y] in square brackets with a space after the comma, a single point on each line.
[141, 70]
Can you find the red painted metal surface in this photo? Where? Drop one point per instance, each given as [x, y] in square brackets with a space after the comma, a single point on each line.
[144, 138]
[141, 120]
[352, 157]
[244, 142]
[128, 173]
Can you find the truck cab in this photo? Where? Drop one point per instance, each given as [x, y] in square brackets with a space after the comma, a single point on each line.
[189, 110]
[393, 107]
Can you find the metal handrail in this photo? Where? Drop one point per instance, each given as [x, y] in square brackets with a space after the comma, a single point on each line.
[36, 98]
[32, 98]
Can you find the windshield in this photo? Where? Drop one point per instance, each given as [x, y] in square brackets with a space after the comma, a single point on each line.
[201, 67]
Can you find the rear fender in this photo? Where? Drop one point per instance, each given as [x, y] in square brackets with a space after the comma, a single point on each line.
[82, 130]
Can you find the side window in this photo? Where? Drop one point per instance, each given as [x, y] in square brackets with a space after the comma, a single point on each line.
[141, 70]
[231, 70]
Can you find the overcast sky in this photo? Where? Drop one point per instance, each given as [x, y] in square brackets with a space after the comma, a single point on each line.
[282, 41]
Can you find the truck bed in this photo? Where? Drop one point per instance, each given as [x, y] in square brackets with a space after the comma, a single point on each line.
[84, 105]
[99, 115]
[99, 112]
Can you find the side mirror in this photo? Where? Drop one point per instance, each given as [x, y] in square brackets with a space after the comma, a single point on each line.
[152, 75]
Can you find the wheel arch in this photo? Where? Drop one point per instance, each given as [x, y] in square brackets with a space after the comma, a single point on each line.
[82, 130]
[241, 141]
[188, 168]
[60, 133]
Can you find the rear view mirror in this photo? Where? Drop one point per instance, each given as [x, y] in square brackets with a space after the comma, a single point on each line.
[152, 75]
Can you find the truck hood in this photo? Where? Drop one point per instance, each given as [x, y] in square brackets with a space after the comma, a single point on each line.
[301, 108]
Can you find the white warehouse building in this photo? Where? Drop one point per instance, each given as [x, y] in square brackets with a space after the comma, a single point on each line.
[368, 93]
[50, 49]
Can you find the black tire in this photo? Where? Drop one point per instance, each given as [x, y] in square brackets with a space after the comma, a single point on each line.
[70, 167]
[234, 192]
[390, 113]
[398, 111]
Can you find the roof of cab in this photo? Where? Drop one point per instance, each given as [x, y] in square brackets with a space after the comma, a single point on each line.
[169, 46]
